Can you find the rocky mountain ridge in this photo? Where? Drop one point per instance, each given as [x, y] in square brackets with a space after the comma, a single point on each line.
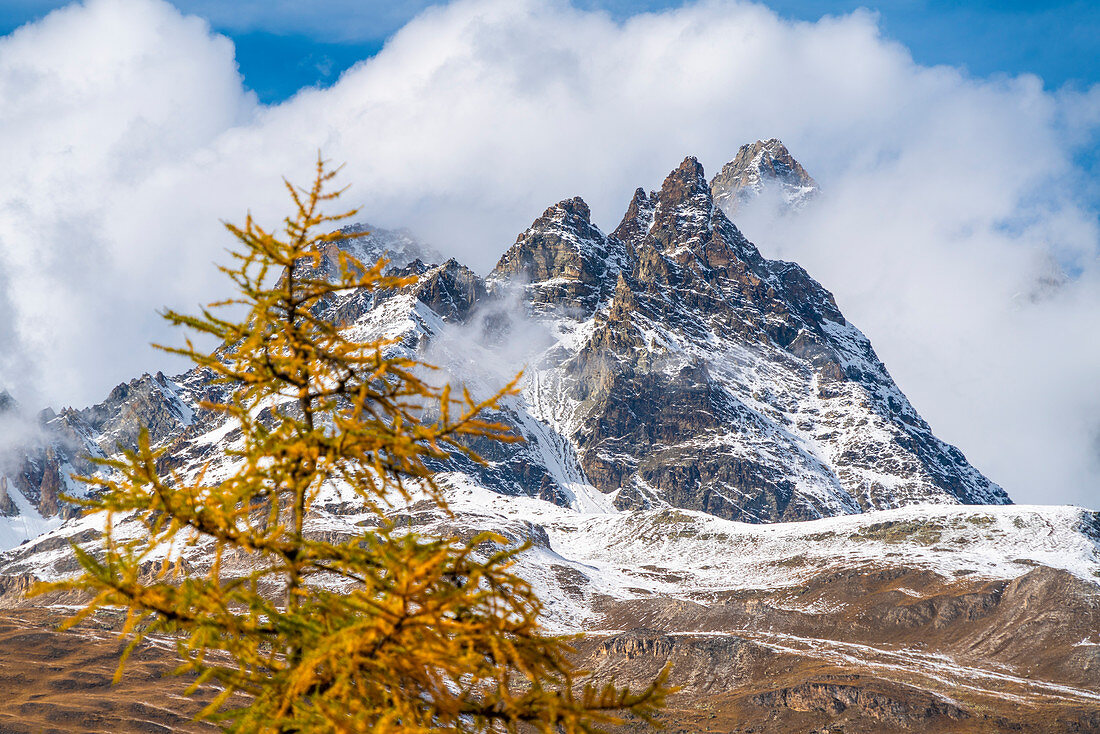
[711, 378]
[670, 364]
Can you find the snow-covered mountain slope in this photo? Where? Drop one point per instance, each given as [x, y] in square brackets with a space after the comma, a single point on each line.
[905, 620]
[41, 455]
[927, 614]
[38, 456]
[690, 371]
[398, 246]
[671, 553]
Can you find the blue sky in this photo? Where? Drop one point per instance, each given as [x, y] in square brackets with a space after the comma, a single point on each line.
[283, 46]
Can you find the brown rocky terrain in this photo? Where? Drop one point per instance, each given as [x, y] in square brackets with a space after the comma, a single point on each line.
[903, 650]
[956, 658]
[61, 681]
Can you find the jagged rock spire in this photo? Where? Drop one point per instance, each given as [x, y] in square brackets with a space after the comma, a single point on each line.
[759, 167]
[637, 220]
[563, 259]
[721, 381]
[7, 402]
[683, 204]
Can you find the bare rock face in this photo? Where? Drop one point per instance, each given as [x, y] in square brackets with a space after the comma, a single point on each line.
[637, 220]
[562, 260]
[7, 505]
[451, 290]
[717, 380]
[49, 490]
[150, 401]
[765, 165]
[908, 711]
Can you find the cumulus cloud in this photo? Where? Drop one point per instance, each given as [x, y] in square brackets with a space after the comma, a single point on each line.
[96, 104]
[952, 205]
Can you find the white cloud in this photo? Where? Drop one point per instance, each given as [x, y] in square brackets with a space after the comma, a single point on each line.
[127, 136]
[96, 104]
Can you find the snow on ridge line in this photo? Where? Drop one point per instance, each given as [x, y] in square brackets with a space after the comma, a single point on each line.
[684, 554]
[1004, 543]
[708, 552]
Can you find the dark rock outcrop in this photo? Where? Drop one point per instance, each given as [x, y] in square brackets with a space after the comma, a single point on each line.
[7, 505]
[148, 401]
[451, 290]
[562, 260]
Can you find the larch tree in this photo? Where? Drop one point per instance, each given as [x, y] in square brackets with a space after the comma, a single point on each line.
[385, 631]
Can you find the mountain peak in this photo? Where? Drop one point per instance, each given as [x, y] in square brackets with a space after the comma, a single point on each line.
[638, 218]
[759, 167]
[369, 243]
[563, 258]
[686, 181]
[8, 404]
[575, 207]
[685, 196]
